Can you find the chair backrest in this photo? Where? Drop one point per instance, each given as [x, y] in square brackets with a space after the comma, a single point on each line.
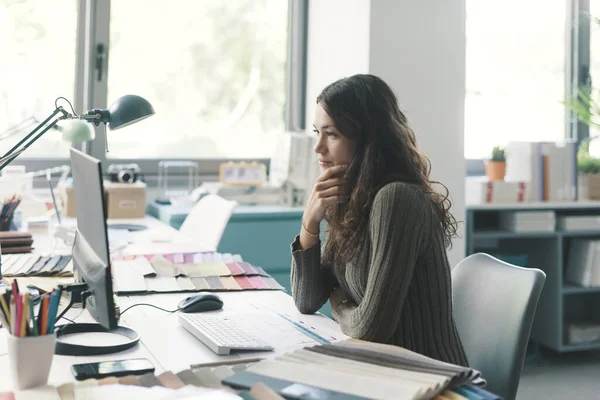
[206, 221]
[494, 306]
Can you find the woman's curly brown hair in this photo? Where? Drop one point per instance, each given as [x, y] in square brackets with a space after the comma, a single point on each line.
[364, 108]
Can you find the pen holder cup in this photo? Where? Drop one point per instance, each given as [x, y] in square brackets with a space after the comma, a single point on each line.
[30, 359]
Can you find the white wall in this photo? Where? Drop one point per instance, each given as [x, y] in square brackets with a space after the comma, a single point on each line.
[338, 45]
[416, 46]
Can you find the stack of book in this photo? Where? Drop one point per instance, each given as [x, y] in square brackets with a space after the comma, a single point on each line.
[528, 221]
[549, 168]
[578, 222]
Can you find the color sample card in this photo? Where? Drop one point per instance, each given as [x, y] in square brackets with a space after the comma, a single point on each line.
[191, 272]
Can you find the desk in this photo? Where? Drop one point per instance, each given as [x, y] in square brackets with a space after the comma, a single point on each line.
[163, 341]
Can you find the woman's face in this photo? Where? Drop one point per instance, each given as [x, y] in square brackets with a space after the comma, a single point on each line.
[332, 147]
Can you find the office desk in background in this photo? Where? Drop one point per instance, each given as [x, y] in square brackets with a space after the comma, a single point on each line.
[168, 345]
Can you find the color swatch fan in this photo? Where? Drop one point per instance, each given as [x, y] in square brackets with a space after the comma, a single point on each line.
[155, 273]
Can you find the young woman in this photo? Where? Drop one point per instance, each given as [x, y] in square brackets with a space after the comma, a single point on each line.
[383, 265]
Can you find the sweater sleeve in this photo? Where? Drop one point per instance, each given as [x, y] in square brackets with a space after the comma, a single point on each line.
[311, 282]
[399, 226]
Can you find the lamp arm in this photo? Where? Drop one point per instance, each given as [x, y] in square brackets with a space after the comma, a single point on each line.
[95, 116]
[32, 136]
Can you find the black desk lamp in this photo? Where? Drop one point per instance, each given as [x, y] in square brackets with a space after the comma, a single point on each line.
[125, 111]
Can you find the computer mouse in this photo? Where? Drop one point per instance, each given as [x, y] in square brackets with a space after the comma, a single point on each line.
[200, 302]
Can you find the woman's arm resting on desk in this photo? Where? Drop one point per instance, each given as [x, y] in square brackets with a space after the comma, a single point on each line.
[400, 219]
[311, 282]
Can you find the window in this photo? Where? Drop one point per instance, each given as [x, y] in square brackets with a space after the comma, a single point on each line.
[38, 65]
[213, 70]
[217, 73]
[515, 73]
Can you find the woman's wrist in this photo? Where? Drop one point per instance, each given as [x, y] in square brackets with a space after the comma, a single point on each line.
[311, 230]
[311, 225]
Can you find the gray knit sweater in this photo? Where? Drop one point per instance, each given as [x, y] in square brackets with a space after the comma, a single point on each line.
[399, 283]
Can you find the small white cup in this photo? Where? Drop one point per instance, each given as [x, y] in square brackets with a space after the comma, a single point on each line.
[30, 359]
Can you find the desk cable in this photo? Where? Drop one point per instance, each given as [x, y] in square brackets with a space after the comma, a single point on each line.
[149, 305]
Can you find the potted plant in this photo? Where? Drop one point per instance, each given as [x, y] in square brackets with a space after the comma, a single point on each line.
[587, 110]
[588, 168]
[495, 168]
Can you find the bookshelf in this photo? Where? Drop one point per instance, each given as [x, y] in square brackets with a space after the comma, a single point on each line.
[561, 303]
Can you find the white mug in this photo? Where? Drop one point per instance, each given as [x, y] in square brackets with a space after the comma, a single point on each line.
[30, 359]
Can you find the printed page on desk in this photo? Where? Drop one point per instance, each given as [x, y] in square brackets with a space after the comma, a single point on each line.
[188, 272]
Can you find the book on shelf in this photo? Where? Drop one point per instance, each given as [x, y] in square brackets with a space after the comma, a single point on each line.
[528, 221]
[583, 262]
[481, 191]
[549, 168]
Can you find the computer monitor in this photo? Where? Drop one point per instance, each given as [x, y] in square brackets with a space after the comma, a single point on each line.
[91, 256]
[91, 264]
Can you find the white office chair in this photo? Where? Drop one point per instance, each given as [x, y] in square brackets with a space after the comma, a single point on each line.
[494, 306]
[206, 222]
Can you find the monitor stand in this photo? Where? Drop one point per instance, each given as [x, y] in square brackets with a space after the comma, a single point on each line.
[79, 294]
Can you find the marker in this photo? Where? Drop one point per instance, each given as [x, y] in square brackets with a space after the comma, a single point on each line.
[306, 331]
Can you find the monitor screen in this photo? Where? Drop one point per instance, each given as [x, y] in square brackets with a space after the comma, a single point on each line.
[91, 257]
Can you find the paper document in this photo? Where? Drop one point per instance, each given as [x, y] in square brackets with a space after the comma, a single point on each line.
[149, 393]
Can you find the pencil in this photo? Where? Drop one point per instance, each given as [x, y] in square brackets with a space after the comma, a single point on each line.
[19, 316]
[4, 306]
[24, 314]
[44, 314]
[13, 315]
[228, 362]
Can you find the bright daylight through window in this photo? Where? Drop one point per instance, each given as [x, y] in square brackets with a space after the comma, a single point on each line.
[38, 65]
[515, 73]
[213, 70]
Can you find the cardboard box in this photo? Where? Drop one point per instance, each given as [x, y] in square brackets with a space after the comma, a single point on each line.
[66, 196]
[126, 200]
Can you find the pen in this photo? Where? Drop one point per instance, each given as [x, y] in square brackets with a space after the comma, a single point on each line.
[52, 310]
[34, 329]
[227, 362]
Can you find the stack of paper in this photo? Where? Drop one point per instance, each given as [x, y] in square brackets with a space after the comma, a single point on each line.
[528, 221]
[362, 369]
[578, 222]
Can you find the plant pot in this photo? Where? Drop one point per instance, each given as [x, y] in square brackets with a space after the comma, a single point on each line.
[588, 187]
[495, 170]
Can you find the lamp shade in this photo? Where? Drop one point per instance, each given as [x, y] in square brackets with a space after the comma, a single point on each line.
[76, 131]
[127, 110]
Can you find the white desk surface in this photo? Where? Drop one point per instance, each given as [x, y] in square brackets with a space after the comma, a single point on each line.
[163, 341]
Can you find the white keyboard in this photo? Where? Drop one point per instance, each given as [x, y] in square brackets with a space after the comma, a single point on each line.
[220, 334]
